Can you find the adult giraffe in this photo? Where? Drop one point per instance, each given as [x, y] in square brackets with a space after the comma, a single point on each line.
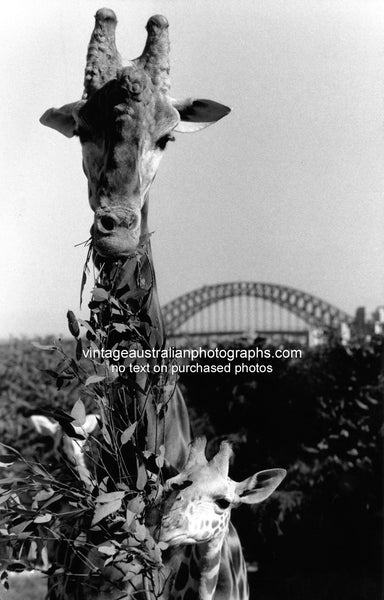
[124, 121]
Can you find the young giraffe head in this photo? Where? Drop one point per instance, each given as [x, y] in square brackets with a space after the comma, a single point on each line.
[124, 121]
[199, 500]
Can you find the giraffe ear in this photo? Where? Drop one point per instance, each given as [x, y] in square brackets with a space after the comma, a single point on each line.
[44, 426]
[62, 119]
[259, 486]
[198, 114]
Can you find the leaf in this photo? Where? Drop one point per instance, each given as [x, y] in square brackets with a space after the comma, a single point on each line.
[44, 346]
[370, 399]
[50, 373]
[155, 338]
[99, 294]
[32, 553]
[136, 505]
[94, 379]
[160, 459]
[5, 497]
[109, 497]
[127, 273]
[87, 326]
[136, 294]
[141, 477]
[127, 434]
[43, 495]
[52, 500]
[17, 529]
[43, 518]
[59, 415]
[7, 460]
[81, 540]
[104, 510]
[108, 548]
[129, 516]
[141, 531]
[82, 285]
[353, 452]
[135, 567]
[85, 271]
[79, 349]
[120, 327]
[73, 325]
[78, 413]
[310, 450]
[106, 435]
[361, 405]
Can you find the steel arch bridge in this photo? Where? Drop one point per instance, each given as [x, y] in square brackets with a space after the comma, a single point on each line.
[314, 311]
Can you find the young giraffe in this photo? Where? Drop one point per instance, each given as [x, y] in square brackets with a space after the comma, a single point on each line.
[124, 121]
[204, 554]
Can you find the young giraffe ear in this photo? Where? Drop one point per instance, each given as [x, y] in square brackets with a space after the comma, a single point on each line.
[44, 426]
[62, 119]
[198, 114]
[259, 486]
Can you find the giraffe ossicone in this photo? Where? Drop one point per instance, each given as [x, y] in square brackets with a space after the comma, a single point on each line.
[124, 121]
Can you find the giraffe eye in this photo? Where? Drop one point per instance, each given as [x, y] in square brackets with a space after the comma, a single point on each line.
[163, 141]
[222, 503]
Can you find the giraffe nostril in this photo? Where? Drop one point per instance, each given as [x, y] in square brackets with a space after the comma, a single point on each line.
[108, 223]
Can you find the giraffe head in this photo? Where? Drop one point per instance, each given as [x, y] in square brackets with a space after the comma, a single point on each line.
[199, 500]
[124, 121]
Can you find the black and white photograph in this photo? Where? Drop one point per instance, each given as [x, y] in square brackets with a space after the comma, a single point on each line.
[192, 307]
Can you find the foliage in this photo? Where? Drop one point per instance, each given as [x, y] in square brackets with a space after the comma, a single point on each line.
[93, 527]
[320, 417]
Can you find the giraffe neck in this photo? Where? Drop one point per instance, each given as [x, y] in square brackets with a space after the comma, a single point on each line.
[132, 282]
[197, 570]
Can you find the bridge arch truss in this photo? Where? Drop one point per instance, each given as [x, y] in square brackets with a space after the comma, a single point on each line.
[314, 311]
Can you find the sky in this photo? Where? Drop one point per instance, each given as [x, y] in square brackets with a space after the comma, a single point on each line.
[287, 189]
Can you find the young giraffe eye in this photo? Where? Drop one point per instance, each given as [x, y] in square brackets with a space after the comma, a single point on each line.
[163, 141]
[222, 503]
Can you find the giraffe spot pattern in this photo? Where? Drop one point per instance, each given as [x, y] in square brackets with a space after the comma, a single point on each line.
[190, 595]
[236, 558]
[193, 568]
[211, 584]
[182, 577]
[240, 587]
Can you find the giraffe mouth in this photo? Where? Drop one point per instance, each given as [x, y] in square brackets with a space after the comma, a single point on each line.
[175, 539]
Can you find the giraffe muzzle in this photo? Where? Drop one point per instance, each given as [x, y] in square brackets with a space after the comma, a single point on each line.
[115, 233]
